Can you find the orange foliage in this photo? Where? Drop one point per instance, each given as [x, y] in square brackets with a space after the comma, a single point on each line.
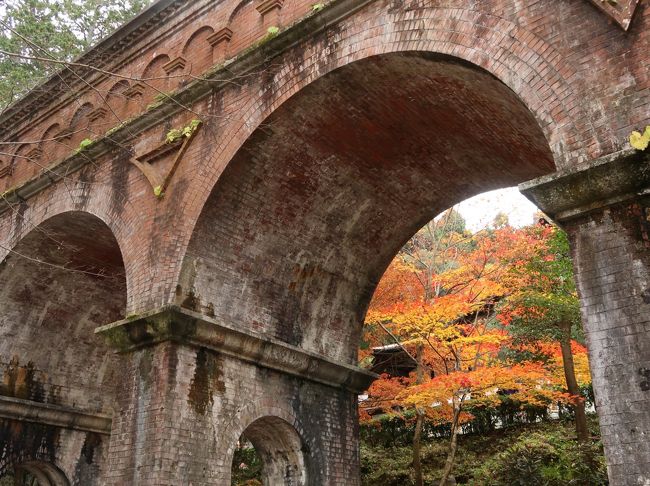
[448, 316]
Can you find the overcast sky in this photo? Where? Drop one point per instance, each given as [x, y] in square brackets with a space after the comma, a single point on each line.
[479, 211]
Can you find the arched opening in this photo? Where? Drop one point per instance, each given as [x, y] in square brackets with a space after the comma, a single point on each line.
[245, 13]
[50, 145]
[315, 204]
[57, 284]
[198, 51]
[270, 452]
[34, 473]
[117, 99]
[80, 124]
[154, 78]
[20, 165]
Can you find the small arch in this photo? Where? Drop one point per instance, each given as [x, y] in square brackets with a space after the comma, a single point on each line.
[154, 78]
[198, 51]
[19, 154]
[50, 133]
[280, 449]
[79, 115]
[154, 71]
[21, 166]
[35, 473]
[246, 24]
[49, 143]
[79, 124]
[238, 9]
[117, 90]
[116, 98]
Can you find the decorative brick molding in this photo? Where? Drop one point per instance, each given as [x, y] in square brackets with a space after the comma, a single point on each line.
[172, 323]
[177, 64]
[57, 415]
[222, 35]
[616, 178]
[136, 89]
[34, 154]
[160, 177]
[97, 113]
[266, 6]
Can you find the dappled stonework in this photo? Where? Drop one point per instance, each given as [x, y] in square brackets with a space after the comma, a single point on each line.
[145, 327]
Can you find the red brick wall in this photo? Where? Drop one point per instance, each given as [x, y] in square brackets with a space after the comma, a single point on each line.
[586, 96]
[184, 410]
[314, 167]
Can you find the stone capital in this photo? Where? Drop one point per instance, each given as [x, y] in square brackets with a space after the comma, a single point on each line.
[182, 326]
[617, 178]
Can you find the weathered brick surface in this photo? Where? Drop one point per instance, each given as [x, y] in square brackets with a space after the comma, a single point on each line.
[613, 275]
[581, 77]
[79, 456]
[48, 353]
[184, 409]
[47, 347]
[320, 156]
[313, 207]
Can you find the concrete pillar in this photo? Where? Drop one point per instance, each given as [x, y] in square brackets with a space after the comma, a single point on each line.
[605, 208]
[196, 385]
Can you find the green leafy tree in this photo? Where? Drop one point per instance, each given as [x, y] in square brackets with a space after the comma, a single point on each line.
[35, 31]
[544, 306]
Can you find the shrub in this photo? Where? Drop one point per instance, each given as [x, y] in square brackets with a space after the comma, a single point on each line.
[545, 458]
[246, 467]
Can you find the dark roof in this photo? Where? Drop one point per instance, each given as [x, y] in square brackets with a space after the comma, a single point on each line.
[392, 359]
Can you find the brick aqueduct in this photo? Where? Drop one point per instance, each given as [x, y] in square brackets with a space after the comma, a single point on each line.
[164, 291]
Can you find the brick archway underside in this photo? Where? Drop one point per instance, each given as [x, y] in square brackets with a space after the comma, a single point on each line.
[63, 279]
[312, 208]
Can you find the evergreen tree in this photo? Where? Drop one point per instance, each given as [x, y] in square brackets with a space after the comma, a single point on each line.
[52, 29]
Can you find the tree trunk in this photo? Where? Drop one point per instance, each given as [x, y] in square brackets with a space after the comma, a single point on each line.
[453, 445]
[417, 465]
[572, 384]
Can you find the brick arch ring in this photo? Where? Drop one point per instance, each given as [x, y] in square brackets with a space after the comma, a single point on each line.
[57, 202]
[254, 412]
[529, 66]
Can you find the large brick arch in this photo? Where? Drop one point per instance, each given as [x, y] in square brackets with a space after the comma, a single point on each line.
[64, 277]
[540, 77]
[308, 213]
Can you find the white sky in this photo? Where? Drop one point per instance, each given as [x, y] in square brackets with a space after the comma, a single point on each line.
[479, 211]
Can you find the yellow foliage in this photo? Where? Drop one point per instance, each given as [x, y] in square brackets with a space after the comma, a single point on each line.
[639, 141]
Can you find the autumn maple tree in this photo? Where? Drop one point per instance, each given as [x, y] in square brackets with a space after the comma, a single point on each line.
[437, 302]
